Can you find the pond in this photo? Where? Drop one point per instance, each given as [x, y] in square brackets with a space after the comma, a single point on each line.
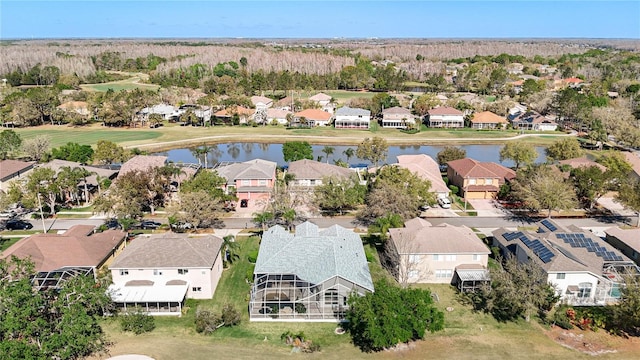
[238, 152]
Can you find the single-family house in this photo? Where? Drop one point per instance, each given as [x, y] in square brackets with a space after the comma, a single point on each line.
[478, 180]
[532, 120]
[352, 118]
[164, 110]
[488, 120]
[201, 112]
[627, 241]
[76, 251]
[321, 99]
[261, 102]
[581, 162]
[243, 114]
[426, 168]
[279, 116]
[312, 118]
[142, 163]
[286, 103]
[308, 275]
[78, 107]
[445, 117]
[157, 273]
[91, 181]
[422, 253]
[398, 117]
[12, 170]
[583, 268]
[309, 173]
[633, 158]
[252, 181]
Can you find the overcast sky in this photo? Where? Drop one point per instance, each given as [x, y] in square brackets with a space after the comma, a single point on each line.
[319, 19]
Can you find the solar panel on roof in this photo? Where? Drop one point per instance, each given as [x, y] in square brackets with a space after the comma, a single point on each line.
[549, 225]
[600, 253]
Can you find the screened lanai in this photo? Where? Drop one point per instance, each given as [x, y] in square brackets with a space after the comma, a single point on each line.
[309, 275]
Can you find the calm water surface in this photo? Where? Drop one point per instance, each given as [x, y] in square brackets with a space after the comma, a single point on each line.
[238, 152]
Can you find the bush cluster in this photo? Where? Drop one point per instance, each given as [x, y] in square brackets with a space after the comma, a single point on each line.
[137, 322]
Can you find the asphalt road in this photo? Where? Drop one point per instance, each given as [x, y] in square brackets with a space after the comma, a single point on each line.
[475, 222]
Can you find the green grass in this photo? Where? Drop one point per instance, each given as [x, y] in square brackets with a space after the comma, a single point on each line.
[5, 243]
[60, 135]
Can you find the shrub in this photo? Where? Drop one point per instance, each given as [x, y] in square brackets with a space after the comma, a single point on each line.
[454, 189]
[561, 319]
[138, 322]
[300, 308]
[253, 256]
[208, 322]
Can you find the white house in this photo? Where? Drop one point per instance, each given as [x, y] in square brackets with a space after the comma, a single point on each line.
[352, 118]
[445, 117]
[157, 273]
[583, 268]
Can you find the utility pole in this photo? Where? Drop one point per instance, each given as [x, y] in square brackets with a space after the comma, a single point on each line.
[44, 227]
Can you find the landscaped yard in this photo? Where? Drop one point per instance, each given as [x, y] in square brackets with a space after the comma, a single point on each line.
[467, 334]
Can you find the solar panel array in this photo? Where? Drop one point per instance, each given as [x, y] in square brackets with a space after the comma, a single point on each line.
[549, 225]
[536, 246]
[581, 241]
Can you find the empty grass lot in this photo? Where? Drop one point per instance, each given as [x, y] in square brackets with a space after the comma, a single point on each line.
[467, 334]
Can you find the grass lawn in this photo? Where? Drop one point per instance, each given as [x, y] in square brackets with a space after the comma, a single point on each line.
[89, 135]
[467, 335]
[5, 243]
[127, 84]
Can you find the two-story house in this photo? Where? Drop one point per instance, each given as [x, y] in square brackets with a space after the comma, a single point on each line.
[157, 273]
[445, 117]
[478, 180]
[423, 253]
[252, 181]
[398, 117]
[352, 118]
[531, 120]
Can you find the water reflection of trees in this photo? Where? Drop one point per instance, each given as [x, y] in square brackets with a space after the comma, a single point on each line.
[247, 147]
[233, 150]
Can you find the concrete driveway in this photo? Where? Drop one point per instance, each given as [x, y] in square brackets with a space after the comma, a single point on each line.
[488, 208]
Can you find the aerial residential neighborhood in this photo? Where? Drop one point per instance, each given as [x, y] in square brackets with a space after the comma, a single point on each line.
[278, 179]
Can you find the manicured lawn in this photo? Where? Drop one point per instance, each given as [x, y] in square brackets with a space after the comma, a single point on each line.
[5, 243]
[60, 135]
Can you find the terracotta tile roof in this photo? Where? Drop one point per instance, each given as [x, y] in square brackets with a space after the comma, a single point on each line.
[314, 114]
[313, 170]
[76, 247]
[240, 110]
[441, 239]
[470, 168]
[581, 162]
[277, 114]
[142, 163]
[445, 110]
[169, 250]
[425, 167]
[573, 80]
[487, 117]
[8, 168]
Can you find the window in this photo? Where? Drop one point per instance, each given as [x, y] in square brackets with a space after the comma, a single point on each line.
[414, 259]
[246, 182]
[560, 276]
[444, 274]
[413, 274]
[451, 257]
[196, 289]
[476, 257]
[183, 271]
[472, 181]
[584, 290]
[157, 272]
[436, 257]
[124, 272]
[488, 181]
[331, 297]
[262, 182]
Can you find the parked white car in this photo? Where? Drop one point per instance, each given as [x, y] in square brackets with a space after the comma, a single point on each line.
[444, 203]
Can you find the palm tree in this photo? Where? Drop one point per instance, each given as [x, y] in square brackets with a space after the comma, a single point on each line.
[349, 153]
[230, 247]
[263, 219]
[328, 150]
[289, 217]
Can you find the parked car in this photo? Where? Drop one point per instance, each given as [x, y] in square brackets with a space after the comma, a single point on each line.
[18, 225]
[444, 203]
[9, 214]
[149, 224]
[112, 224]
[181, 226]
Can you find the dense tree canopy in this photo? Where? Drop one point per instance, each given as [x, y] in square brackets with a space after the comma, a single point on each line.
[390, 316]
[567, 148]
[73, 152]
[519, 152]
[541, 188]
[335, 196]
[297, 150]
[10, 142]
[629, 195]
[374, 150]
[450, 153]
[108, 153]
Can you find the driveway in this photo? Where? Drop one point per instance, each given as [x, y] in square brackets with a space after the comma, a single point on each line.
[488, 208]
[615, 207]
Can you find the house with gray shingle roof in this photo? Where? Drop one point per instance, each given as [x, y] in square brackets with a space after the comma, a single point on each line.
[311, 173]
[251, 180]
[308, 275]
[583, 268]
[157, 273]
[352, 118]
[11, 170]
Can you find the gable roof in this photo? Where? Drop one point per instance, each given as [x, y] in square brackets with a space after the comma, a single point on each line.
[248, 170]
[57, 165]
[349, 111]
[277, 113]
[314, 114]
[261, 99]
[142, 163]
[320, 97]
[240, 110]
[396, 110]
[9, 168]
[634, 160]
[487, 117]
[445, 110]
[313, 255]
[420, 237]
[425, 167]
[169, 250]
[581, 162]
[78, 246]
[470, 168]
[531, 117]
[310, 169]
